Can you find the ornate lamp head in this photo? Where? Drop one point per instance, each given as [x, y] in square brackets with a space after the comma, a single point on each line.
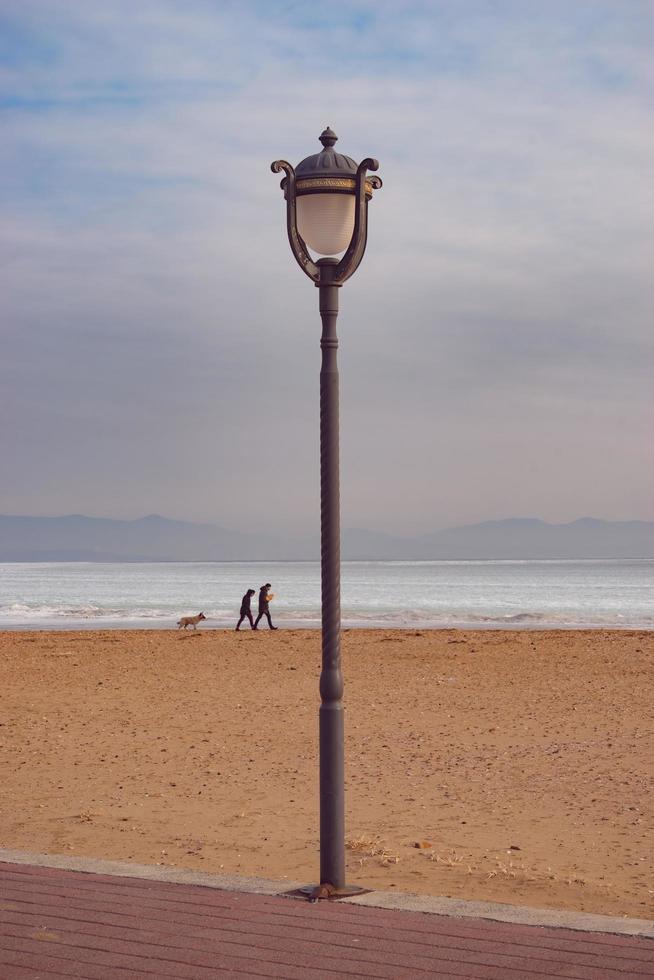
[327, 199]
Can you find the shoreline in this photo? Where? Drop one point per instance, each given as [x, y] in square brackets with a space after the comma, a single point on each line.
[523, 758]
[120, 626]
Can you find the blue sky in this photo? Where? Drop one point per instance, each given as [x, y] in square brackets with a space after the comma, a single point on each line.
[160, 345]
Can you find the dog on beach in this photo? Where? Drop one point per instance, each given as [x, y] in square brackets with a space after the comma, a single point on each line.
[190, 621]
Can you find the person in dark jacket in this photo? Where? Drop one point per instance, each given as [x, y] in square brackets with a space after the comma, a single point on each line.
[246, 612]
[263, 607]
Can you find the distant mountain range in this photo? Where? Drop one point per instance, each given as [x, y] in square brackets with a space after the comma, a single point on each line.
[154, 538]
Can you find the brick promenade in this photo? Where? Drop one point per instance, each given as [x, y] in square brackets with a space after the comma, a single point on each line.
[56, 923]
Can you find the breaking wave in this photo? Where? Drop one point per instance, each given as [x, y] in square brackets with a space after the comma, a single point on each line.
[52, 616]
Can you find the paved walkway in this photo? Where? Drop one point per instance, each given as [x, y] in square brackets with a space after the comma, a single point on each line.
[61, 923]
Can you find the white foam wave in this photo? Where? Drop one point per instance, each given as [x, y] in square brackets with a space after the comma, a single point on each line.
[20, 614]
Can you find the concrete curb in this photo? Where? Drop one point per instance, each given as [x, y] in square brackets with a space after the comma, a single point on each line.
[519, 914]
[400, 901]
[151, 872]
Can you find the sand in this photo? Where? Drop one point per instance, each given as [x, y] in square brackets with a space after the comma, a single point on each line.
[524, 761]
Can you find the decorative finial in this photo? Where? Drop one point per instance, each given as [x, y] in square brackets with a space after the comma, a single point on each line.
[328, 137]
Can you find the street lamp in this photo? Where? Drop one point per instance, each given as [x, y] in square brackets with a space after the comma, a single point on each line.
[327, 210]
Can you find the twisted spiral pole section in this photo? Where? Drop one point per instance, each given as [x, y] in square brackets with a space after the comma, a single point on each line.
[331, 718]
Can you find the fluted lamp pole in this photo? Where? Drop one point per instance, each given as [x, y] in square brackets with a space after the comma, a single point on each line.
[327, 211]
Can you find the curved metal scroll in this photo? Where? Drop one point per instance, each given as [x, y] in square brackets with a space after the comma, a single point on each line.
[298, 247]
[354, 253]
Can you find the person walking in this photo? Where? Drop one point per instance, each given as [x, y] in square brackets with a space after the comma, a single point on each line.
[246, 612]
[263, 607]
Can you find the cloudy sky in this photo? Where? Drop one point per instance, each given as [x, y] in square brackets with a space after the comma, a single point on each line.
[160, 347]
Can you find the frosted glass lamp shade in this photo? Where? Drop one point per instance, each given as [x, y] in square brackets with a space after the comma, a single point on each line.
[326, 221]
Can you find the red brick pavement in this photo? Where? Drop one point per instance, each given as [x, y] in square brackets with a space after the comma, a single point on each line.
[57, 923]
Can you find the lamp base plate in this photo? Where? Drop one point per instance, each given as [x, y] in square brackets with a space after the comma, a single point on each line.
[314, 893]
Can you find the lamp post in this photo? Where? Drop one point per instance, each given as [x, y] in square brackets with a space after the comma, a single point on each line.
[327, 210]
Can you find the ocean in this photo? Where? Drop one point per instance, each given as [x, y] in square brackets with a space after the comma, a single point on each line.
[392, 594]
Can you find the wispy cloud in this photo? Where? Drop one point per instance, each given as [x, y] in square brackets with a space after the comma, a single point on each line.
[154, 314]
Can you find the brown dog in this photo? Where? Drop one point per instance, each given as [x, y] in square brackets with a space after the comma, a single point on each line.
[190, 621]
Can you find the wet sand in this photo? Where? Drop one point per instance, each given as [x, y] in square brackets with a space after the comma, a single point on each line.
[523, 761]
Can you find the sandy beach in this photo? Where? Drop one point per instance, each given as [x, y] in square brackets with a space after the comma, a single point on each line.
[523, 762]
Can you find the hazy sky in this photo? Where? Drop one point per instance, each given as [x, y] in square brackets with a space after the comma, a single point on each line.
[160, 347]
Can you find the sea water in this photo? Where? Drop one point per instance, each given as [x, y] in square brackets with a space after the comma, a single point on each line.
[404, 594]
